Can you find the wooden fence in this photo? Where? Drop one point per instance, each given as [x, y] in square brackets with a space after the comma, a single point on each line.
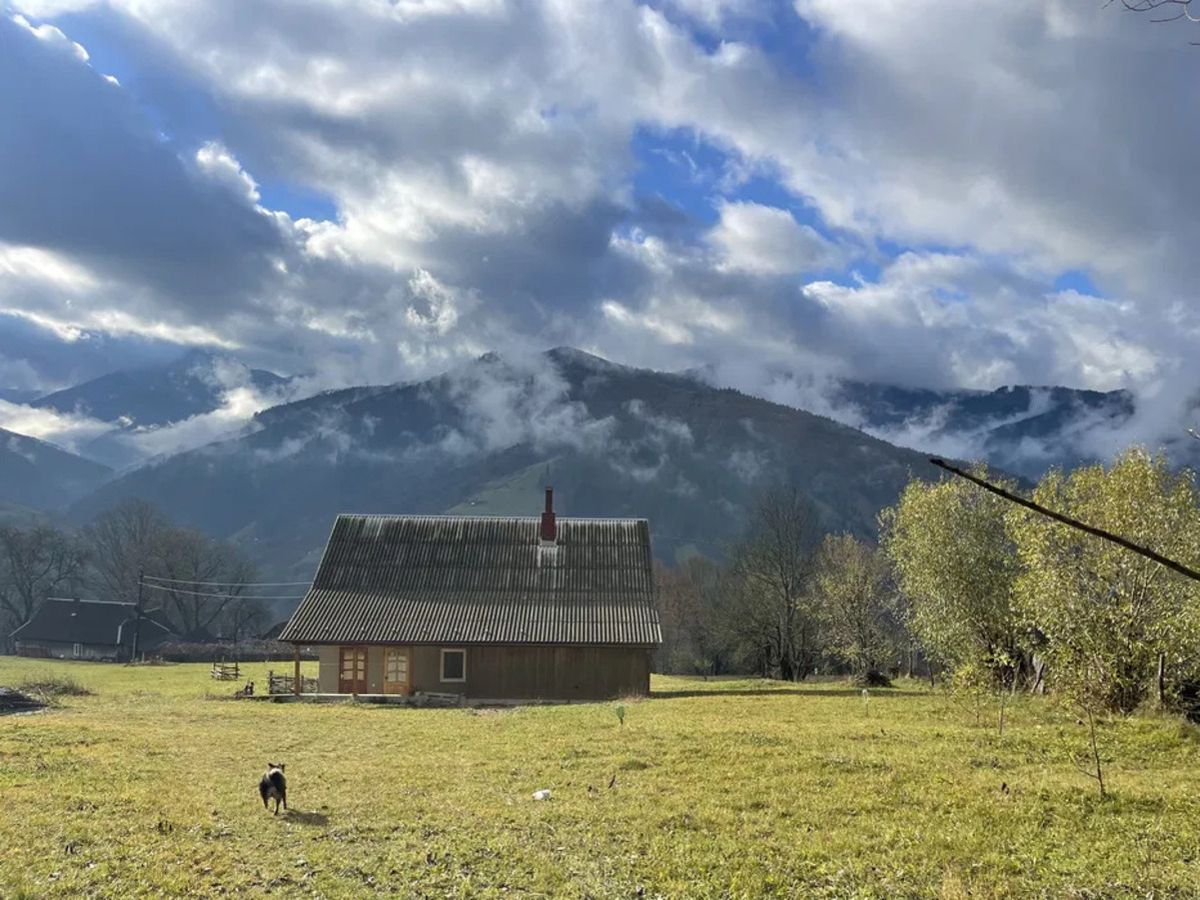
[223, 671]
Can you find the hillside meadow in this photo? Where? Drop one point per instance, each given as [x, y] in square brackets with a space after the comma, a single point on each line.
[730, 788]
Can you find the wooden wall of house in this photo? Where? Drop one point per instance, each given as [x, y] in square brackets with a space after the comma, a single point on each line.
[66, 650]
[513, 672]
[327, 669]
[550, 672]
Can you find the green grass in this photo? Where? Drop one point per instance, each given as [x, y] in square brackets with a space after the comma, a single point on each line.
[728, 788]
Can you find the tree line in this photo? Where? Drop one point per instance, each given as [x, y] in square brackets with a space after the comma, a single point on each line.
[103, 561]
[985, 593]
[790, 601]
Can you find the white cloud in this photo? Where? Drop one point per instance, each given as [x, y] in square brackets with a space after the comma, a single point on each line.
[67, 430]
[53, 36]
[478, 158]
[215, 161]
[766, 240]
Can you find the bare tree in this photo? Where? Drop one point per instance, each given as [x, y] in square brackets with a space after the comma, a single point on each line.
[244, 619]
[696, 636]
[1161, 10]
[202, 578]
[190, 576]
[36, 563]
[124, 541]
[775, 611]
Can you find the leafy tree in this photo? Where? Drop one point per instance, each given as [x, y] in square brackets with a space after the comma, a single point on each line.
[36, 563]
[1107, 615]
[774, 611]
[854, 585]
[956, 567]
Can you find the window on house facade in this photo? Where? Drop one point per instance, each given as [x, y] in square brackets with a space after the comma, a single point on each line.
[454, 665]
[77, 650]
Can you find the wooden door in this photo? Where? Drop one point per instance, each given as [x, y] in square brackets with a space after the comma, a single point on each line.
[395, 671]
[352, 670]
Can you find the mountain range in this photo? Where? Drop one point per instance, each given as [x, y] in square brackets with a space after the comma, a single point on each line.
[38, 475]
[484, 438]
[123, 418]
[1021, 429]
[162, 395]
[613, 440]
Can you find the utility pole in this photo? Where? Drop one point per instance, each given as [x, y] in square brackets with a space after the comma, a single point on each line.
[137, 617]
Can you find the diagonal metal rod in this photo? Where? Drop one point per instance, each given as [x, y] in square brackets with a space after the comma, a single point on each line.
[1067, 520]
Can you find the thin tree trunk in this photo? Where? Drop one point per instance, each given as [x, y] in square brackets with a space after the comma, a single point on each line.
[1099, 775]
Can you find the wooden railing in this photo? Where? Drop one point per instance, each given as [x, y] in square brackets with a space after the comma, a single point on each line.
[223, 671]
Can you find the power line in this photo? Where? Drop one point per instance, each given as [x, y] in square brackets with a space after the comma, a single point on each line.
[1074, 523]
[227, 583]
[226, 596]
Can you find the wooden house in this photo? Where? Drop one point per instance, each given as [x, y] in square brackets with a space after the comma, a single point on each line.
[486, 607]
[88, 629]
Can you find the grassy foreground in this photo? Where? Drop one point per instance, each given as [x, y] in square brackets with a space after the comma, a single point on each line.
[730, 788]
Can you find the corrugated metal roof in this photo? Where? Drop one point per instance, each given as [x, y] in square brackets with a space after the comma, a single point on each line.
[475, 579]
[87, 622]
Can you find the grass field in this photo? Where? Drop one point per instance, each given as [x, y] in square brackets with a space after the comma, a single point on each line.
[730, 788]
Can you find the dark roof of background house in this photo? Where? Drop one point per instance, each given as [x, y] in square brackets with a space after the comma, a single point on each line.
[484, 580]
[89, 622]
[272, 633]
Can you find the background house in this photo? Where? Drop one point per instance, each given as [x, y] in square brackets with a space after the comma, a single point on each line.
[488, 607]
[87, 629]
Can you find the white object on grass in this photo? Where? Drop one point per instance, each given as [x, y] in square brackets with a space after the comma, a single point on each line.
[543, 794]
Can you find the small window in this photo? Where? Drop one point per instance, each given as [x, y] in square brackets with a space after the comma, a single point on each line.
[77, 650]
[454, 665]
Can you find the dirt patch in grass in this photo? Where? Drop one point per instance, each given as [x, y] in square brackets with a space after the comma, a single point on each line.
[13, 701]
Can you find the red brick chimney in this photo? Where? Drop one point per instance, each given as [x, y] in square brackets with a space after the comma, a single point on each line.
[549, 530]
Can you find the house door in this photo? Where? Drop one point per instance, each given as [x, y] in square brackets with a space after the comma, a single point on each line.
[352, 670]
[395, 671]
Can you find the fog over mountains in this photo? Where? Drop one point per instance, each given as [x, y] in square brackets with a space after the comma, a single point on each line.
[123, 418]
[202, 439]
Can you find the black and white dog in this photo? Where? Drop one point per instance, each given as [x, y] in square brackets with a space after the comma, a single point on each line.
[273, 786]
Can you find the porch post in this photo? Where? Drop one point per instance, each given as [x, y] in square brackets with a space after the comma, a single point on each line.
[296, 680]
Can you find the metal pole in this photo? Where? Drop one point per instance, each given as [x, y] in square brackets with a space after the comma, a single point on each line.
[137, 618]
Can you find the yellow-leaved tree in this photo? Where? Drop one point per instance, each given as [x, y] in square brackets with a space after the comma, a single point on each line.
[1106, 615]
[956, 566]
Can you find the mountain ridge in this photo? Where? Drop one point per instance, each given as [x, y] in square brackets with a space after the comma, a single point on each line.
[614, 440]
[38, 475]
